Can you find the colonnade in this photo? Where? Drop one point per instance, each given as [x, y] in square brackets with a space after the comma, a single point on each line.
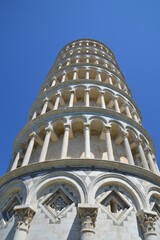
[87, 50]
[104, 99]
[145, 153]
[83, 73]
[87, 59]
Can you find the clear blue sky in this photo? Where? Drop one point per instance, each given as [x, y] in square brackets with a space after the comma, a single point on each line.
[32, 32]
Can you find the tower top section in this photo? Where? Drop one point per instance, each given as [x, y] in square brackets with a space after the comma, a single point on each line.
[84, 114]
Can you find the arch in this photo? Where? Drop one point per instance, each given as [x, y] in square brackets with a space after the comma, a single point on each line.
[120, 180]
[102, 119]
[13, 187]
[57, 177]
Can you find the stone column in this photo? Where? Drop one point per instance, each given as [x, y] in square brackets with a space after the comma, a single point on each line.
[24, 216]
[128, 113]
[53, 82]
[116, 105]
[87, 60]
[44, 109]
[15, 163]
[142, 155]
[87, 216]
[150, 159]
[87, 140]
[102, 99]
[110, 80]
[63, 77]
[65, 141]
[147, 221]
[96, 61]
[71, 98]
[134, 115]
[45, 144]
[75, 74]
[127, 148]
[77, 60]
[119, 85]
[28, 153]
[58, 96]
[87, 73]
[34, 115]
[109, 144]
[87, 97]
[99, 76]
[106, 65]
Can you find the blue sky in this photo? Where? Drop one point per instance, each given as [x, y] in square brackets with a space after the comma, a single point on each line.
[32, 32]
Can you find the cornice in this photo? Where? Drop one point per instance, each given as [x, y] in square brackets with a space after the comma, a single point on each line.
[79, 164]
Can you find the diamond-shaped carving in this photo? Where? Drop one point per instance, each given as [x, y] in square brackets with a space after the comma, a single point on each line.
[55, 205]
[115, 205]
[58, 202]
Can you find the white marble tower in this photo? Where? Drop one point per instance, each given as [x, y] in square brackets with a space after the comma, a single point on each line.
[83, 167]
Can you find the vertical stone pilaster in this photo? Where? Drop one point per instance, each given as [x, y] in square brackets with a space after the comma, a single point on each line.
[87, 216]
[24, 216]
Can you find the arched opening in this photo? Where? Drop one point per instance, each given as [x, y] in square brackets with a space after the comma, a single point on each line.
[76, 143]
[97, 143]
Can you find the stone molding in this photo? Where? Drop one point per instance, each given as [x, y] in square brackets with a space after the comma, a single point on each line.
[147, 221]
[24, 216]
[81, 162]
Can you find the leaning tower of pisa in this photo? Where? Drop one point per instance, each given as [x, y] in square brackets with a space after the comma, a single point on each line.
[83, 167]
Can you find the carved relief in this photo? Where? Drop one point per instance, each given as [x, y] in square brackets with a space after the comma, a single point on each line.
[87, 215]
[147, 221]
[24, 217]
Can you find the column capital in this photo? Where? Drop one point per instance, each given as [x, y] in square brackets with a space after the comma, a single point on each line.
[102, 91]
[133, 111]
[124, 133]
[67, 125]
[126, 104]
[48, 129]
[138, 140]
[75, 69]
[87, 90]
[87, 124]
[87, 69]
[72, 90]
[147, 220]
[87, 215]
[45, 100]
[114, 97]
[32, 135]
[24, 215]
[107, 127]
[64, 72]
[147, 149]
[58, 94]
